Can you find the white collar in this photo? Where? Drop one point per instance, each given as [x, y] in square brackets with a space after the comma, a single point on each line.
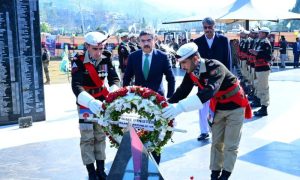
[150, 54]
[87, 58]
[201, 68]
[210, 38]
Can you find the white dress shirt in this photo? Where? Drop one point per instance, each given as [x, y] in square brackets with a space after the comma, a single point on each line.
[210, 41]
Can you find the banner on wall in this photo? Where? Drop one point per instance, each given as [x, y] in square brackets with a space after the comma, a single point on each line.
[51, 44]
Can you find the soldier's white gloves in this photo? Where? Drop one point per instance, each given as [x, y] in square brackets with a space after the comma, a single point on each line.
[113, 88]
[172, 111]
[189, 104]
[95, 106]
[86, 100]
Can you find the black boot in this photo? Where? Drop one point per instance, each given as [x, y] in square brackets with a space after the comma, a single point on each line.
[225, 175]
[256, 102]
[92, 172]
[263, 111]
[100, 170]
[215, 175]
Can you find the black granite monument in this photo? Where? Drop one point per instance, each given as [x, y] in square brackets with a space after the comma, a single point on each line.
[21, 78]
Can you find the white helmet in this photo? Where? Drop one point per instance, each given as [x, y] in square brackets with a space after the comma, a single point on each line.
[95, 38]
[186, 51]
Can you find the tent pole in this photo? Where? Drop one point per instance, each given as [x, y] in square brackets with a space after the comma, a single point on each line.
[247, 25]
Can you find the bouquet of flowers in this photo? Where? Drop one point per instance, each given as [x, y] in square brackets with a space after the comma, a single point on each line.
[145, 106]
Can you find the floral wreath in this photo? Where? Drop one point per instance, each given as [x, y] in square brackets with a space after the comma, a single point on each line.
[148, 105]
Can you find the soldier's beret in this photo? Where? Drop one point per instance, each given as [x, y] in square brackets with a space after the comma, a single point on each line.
[186, 51]
[95, 38]
[264, 29]
[244, 31]
[254, 30]
[123, 34]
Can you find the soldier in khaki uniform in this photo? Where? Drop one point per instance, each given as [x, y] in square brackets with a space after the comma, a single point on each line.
[89, 72]
[46, 60]
[243, 50]
[228, 105]
[251, 64]
[123, 52]
[263, 53]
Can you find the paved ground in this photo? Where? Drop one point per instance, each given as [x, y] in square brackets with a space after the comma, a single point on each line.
[269, 149]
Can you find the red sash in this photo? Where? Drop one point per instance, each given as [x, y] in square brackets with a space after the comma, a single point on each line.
[93, 74]
[261, 62]
[195, 80]
[251, 58]
[238, 98]
[96, 79]
[243, 55]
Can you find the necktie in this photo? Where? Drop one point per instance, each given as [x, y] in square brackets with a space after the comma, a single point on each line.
[146, 66]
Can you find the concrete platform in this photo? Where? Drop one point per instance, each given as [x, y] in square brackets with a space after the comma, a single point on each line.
[269, 149]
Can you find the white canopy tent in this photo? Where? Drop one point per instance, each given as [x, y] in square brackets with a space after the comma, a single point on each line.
[245, 10]
[240, 10]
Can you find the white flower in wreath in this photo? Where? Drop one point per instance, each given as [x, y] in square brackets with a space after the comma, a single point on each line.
[136, 102]
[141, 105]
[126, 106]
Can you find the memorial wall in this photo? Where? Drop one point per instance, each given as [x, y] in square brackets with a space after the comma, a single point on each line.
[21, 78]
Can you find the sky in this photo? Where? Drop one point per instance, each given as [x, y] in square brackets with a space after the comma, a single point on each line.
[189, 6]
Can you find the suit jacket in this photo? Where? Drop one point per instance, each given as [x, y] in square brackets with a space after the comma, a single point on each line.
[160, 65]
[295, 48]
[220, 49]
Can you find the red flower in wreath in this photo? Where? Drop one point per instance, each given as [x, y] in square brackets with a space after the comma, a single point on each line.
[141, 101]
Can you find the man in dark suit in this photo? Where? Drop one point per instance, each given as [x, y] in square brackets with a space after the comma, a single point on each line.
[147, 66]
[211, 45]
[296, 51]
[158, 65]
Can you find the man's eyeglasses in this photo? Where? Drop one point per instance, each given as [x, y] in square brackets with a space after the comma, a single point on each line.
[207, 27]
[97, 49]
[146, 40]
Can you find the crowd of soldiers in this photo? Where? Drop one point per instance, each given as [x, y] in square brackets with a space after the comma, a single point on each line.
[254, 60]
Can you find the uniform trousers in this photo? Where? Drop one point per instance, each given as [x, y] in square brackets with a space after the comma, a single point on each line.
[296, 59]
[244, 69]
[46, 70]
[203, 114]
[252, 75]
[263, 87]
[249, 72]
[92, 142]
[283, 58]
[226, 135]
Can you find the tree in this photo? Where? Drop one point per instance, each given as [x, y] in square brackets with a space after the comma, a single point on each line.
[45, 27]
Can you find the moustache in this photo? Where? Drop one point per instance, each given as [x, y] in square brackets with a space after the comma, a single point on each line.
[146, 46]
